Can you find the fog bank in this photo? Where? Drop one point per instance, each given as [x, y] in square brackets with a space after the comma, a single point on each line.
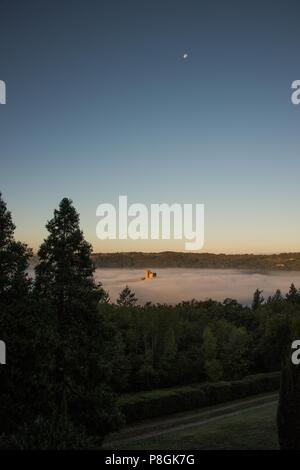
[174, 285]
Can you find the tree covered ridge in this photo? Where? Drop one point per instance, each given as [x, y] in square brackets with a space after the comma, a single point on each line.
[171, 259]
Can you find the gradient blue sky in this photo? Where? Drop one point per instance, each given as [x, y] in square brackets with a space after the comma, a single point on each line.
[100, 104]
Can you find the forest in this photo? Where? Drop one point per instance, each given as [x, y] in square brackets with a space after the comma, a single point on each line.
[172, 259]
[72, 353]
[198, 341]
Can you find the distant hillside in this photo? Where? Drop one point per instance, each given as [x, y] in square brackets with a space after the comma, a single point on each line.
[170, 259]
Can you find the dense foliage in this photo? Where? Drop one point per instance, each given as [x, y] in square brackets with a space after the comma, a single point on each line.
[63, 356]
[70, 350]
[288, 413]
[172, 259]
[155, 403]
[202, 340]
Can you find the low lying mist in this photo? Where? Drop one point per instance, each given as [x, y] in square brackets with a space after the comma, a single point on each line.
[175, 285]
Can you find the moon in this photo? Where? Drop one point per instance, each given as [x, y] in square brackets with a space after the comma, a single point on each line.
[185, 56]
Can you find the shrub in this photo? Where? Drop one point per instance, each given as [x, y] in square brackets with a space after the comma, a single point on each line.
[44, 434]
[139, 406]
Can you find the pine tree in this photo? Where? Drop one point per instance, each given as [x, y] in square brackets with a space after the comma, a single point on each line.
[127, 298]
[277, 297]
[103, 294]
[293, 295]
[14, 257]
[257, 299]
[17, 326]
[83, 371]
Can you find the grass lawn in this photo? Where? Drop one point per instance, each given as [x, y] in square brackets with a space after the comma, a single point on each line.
[252, 429]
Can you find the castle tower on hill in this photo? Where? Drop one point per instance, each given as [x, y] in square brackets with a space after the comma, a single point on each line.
[149, 274]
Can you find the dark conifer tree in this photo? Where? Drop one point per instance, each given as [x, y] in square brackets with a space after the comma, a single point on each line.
[16, 326]
[127, 298]
[14, 257]
[257, 299]
[288, 413]
[293, 295]
[84, 349]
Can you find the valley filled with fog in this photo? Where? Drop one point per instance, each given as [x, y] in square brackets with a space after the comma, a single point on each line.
[176, 284]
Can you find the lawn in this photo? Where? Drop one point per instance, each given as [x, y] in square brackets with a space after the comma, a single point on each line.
[252, 429]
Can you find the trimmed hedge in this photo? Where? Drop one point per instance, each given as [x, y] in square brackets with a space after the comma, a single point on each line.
[139, 406]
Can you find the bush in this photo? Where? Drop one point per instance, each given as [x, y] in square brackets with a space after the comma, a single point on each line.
[139, 406]
[43, 434]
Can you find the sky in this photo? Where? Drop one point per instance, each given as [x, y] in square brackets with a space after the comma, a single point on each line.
[100, 103]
